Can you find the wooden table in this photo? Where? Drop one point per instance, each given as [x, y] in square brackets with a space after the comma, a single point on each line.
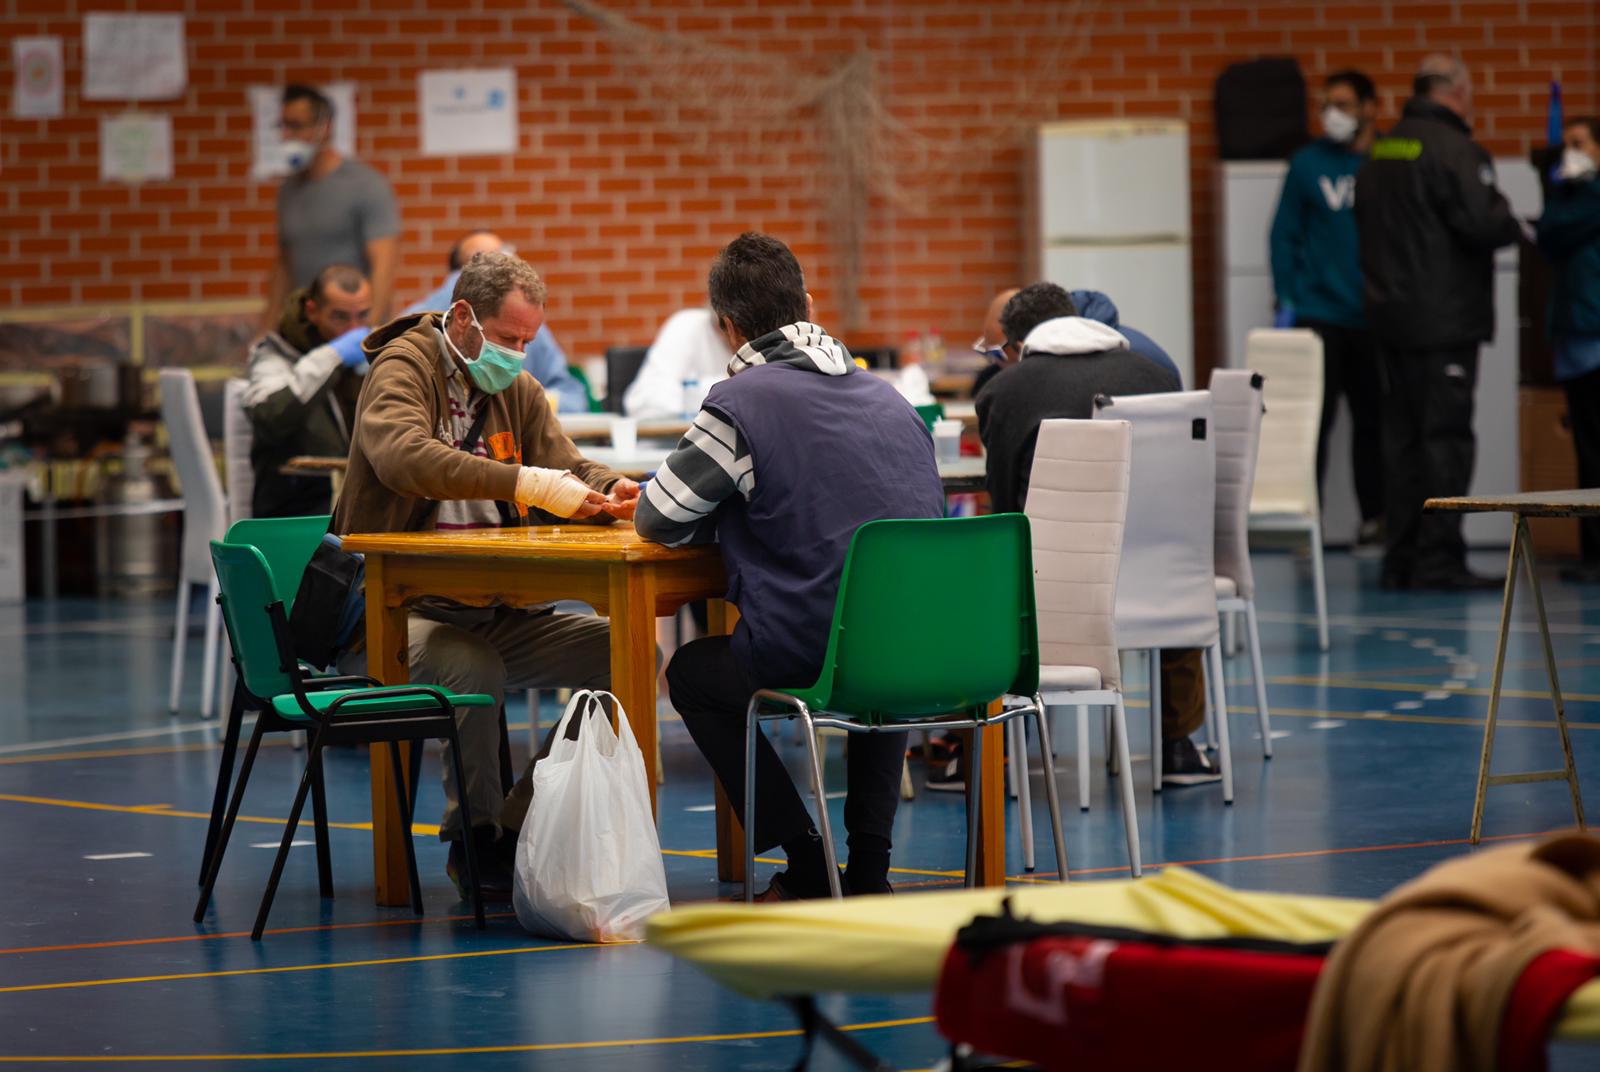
[1521, 507]
[621, 575]
[596, 427]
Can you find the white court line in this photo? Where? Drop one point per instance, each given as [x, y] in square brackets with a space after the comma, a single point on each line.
[295, 844]
[118, 855]
[126, 735]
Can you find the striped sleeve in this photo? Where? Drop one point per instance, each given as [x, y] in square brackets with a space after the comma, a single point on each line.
[711, 464]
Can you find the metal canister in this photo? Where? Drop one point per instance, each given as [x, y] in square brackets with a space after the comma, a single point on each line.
[128, 547]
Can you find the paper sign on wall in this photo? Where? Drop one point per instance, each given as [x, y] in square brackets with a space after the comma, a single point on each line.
[266, 106]
[134, 57]
[36, 92]
[135, 148]
[468, 113]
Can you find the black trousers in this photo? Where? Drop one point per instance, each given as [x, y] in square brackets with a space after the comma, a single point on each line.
[1583, 417]
[710, 689]
[1429, 449]
[1350, 371]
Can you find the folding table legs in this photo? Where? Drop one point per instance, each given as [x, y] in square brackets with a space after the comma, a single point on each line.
[1522, 547]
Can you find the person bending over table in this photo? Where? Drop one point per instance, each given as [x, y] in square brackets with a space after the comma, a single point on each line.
[452, 433]
[1064, 360]
[786, 459]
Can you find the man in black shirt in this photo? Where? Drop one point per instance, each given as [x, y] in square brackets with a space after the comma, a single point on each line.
[1430, 218]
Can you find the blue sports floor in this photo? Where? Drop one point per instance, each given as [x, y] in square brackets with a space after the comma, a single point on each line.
[103, 801]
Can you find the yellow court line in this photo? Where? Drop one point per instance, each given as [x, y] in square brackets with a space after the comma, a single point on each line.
[460, 1051]
[429, 829]
[113, 753]
[84, 983]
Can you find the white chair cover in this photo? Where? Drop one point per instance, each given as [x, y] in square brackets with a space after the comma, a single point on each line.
[1166, 594]
[1286, 473]
[205, 514]
[1236, 406]
[1077, 503]
[237, 439]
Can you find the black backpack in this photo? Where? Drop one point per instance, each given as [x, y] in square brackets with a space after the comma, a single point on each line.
[1261, 110]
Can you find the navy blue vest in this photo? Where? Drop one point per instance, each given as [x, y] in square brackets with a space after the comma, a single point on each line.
[830, 453]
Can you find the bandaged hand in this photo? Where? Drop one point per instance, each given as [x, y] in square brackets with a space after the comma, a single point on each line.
[557, 491]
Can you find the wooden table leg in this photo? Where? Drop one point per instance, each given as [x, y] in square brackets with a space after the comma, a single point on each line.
[721, 617]
[633, 657]
[388, 646]
[992, 807]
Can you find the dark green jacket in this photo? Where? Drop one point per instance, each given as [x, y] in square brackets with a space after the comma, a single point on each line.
[1569, 234]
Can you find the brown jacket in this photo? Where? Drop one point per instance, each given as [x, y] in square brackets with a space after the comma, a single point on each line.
[400, 455]
[1422, 984]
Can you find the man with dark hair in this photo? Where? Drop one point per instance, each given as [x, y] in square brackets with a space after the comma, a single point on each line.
[331, 210]
[790, 455]
[1316, 270]
[1430, 218]
[303, 381]
[1569, 234]
[544, 356]
[452, 433]
[1064, 361]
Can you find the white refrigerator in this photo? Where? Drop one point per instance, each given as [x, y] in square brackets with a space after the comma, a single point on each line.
[1108, 208]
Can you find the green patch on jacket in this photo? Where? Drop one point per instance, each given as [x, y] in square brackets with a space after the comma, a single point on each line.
[1396, 149]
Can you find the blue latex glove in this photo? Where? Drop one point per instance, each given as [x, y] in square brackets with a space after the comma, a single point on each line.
[348, 347]
[1284, 318]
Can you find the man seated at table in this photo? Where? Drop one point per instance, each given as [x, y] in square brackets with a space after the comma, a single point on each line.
[1063, 361]
[787, 458]
[452, 433]
[303, 382]
[1091, 304]
[689, 347]
[543, 357]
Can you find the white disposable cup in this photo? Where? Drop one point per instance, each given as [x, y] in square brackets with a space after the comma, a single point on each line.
[947, 440]
[625, 435]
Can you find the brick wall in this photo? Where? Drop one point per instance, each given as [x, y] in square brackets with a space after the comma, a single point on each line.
[621, 206]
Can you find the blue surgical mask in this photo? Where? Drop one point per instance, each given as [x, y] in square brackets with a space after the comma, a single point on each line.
[495, 368]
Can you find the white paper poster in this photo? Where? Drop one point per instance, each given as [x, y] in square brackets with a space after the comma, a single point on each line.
[266, 107]
[36, 93]
[134, 57]
[468, 113]
[135, 148]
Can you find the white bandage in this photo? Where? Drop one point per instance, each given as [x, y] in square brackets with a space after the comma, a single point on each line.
[553, 490]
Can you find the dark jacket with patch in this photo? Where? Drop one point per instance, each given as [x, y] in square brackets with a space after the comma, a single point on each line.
[1430, 217]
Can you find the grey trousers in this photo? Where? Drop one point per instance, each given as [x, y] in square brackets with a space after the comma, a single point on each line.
[490, 653]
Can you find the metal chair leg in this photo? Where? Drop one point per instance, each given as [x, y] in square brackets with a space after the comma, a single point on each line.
[824, 825]
[288, 840]
[1051, 795]
[468, 849]
[1224, 744]
[1018, 743]
[209, 655]
[319, 823]
[1130, 814]
[974, 788]
[219, 797]
[397, 765]
[180, 644]
[1155, 720]
[1319, 582]
[221, 847]
[752, 726]
[1083, 757]
[1253, 638]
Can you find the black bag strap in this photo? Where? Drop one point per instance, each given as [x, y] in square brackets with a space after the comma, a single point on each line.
[426, 507]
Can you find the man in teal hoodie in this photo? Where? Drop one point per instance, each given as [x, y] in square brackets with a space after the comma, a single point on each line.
[1316, 271]
[1569, 234]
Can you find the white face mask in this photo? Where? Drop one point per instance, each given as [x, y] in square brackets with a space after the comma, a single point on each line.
[1575, 164]
[297, 154]
[1339, 125]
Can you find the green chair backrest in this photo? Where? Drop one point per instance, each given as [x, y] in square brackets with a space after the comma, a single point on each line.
[933, 617]
[933, 411]
[248, 593]
[588, 388]
[287, 544]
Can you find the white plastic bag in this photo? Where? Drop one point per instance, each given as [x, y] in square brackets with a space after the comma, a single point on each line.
[588, 859]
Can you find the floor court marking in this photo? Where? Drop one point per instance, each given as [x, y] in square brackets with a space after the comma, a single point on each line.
[473, 954]
[1411, 686]
[107, 738]
[460, 1051]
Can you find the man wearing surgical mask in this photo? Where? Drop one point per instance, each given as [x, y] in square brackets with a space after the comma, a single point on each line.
[331, 209]
[452, 433]
[1569, 234]
[1316, 271]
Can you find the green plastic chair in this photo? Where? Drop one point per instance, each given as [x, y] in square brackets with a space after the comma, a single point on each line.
[933, 411]
[933, 623]
[287, 544]
[588, 388]
[333, 710]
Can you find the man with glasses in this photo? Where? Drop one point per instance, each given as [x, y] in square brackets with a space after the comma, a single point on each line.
[331, 210]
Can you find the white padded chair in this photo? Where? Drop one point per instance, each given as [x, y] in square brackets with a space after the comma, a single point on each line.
[1166, 587]
[1077, 503]
[1285, 498]
[1236, 409]
[237, 439]
[205, 518]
